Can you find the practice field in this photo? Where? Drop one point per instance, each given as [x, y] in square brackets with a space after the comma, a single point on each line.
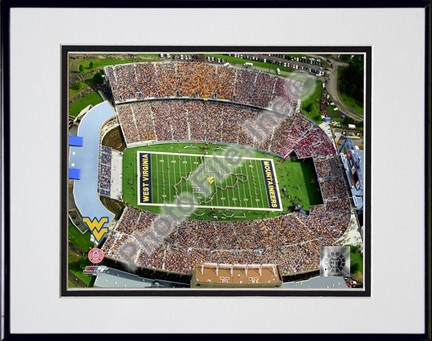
[213, 181]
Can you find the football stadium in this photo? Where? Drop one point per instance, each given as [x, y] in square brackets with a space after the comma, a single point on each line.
[224, 154]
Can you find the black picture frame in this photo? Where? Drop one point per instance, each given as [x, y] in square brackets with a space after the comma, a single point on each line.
[366, 292]
[5, 161]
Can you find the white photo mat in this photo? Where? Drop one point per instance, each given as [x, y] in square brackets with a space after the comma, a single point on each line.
[397, 297]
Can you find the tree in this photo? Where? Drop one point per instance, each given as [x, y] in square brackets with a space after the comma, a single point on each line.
[81, 68]
[350, 79]
[98, 78]
[345, 57]
[348, 120]
[308, 107]
[91, 65]
[76, 86]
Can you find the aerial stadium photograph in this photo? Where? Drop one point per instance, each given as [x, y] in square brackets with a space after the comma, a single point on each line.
[208, 172]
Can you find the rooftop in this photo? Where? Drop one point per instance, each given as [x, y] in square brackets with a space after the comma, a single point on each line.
[237, 274]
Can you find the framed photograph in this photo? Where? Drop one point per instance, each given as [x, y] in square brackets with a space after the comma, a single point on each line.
[235, 159]
[219, 168]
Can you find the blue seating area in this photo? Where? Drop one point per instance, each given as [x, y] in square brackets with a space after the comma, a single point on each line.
[76, 141]
[74, 173]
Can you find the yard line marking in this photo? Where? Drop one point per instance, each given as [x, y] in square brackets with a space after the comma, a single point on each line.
[244, 187]
[249, 184]
[169, 178]
[185, 162]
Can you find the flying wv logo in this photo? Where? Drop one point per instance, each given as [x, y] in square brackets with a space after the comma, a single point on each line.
[96, 226]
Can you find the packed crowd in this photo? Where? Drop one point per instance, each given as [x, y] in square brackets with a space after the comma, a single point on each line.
[201, 80]
[331, 177]
[289, 133]
[203, 120]
[327, 167]
[104, 176]
[314, 143]
[292, 241]
[212, 121]
[333, 188]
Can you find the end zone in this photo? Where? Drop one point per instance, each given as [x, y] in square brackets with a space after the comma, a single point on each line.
[144, 179]
[273, 194]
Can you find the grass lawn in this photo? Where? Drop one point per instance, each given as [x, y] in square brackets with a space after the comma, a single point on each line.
[77, 88]
[344, 121]
[101, 62]
[71, 284]
[80, 240]
[297, 177]
[148, 55]
[92, 98]
[356, 263]
[300, 180]
[80, 244]
[334, 115]
[310, 106]
[351, 103]
[76, 266]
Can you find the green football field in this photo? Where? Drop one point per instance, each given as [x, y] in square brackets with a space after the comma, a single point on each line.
[211, 180]
[261, 185]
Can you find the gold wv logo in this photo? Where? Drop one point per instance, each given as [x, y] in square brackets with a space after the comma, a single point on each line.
[96, 227]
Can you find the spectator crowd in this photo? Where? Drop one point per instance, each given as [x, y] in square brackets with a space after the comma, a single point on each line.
[195, 101]
[104, 176]
[212, 121]
[292, 241]
[193, 79]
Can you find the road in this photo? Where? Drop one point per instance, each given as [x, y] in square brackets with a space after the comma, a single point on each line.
[332, 90]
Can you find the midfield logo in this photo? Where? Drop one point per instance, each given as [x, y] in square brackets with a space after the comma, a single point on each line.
[96, 226]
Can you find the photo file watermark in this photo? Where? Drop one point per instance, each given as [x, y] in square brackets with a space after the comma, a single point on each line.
[258, 129]
[335, 261]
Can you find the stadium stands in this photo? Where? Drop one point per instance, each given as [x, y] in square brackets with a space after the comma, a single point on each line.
[131, 82]
[292, 241]
[195, 101]
[218, 122]
[248, 93]
[104, 178]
